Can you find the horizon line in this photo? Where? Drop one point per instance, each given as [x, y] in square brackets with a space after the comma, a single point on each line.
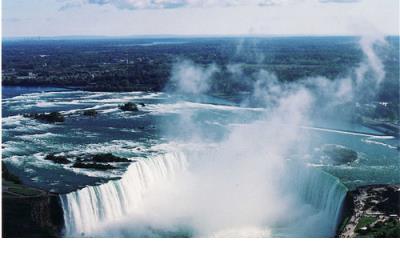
[150, 36]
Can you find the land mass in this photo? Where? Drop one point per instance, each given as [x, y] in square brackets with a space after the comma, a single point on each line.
[372, 211]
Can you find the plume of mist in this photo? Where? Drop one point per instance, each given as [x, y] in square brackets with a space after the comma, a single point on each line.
[235, 189]
[190, 78]
[372, 63]
[238, 185]
[359, 84]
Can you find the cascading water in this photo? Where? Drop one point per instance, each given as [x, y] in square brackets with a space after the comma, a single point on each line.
[86, 209]
[91, 208]
[322, 196]
[326, 193]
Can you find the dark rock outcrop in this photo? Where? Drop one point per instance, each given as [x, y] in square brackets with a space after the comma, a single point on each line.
[99, 161]
[60, 159]
[339, 154]
[129, 107]
[53, 117]
[90, 112]
[96, 166]
[108, 157]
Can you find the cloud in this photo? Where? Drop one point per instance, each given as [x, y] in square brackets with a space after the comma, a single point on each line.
[70, 5]
[12, 20]
[170, 4]
[166, 4]
[340, 1]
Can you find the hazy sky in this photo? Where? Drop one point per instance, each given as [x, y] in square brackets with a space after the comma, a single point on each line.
[199, 17]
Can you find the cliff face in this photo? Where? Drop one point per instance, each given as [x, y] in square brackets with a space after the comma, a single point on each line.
[32, 216]
[27, 211]
[372, 211]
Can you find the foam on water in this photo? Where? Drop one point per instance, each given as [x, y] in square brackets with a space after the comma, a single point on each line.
[347, 132]
[371, 141]
[186, 105]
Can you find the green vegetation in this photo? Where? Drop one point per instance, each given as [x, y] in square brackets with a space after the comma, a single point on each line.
[381, 229]
[12, 185]
[365, 221]
[23, 190]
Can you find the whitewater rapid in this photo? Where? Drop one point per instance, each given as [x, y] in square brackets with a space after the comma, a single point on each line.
[92, 210]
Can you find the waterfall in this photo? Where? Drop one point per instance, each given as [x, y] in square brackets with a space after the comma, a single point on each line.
[319, 196]
[323, 196]
[85, 209]
[325, 193]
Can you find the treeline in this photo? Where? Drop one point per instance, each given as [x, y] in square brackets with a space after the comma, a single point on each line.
[145, 64]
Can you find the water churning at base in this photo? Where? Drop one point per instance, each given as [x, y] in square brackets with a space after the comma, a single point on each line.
[94, 210]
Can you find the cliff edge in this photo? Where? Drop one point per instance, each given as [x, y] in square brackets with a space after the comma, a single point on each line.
[27, 211]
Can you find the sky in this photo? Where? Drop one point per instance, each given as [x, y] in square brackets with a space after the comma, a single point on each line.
[26, 18]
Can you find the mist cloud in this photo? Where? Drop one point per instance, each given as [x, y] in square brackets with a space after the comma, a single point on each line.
[249, 171]
[190, 78]
[358, 84]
